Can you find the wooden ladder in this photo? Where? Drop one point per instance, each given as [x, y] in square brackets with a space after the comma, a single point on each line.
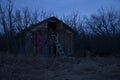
[57, 43]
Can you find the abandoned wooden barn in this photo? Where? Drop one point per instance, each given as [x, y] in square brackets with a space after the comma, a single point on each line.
[43, 38]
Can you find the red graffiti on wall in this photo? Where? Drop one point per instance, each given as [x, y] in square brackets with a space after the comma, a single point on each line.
[36, 40]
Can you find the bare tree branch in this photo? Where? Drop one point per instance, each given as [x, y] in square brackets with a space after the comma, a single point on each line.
[105, 22]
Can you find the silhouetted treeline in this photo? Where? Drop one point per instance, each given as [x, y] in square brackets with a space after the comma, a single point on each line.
[98, 34]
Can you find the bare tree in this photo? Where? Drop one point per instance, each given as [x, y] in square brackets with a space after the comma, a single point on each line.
[74, 21]
[26, 17]
[2, 18]
[6, 16]
[7, 22]
[104, 23]
[18, 20]
[35, 17]
[10, 15]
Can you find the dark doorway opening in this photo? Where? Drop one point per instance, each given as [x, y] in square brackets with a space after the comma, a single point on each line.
[52, 25]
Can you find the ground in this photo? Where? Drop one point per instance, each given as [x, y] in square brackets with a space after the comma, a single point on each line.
[21, 67]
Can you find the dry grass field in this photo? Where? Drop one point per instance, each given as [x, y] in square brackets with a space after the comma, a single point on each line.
[36, 68]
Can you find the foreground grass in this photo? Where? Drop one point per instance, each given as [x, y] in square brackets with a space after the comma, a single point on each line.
[36, 68]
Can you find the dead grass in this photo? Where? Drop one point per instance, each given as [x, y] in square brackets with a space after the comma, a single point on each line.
[20, 67]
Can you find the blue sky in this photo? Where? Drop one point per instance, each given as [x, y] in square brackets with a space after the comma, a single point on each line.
[60, 7]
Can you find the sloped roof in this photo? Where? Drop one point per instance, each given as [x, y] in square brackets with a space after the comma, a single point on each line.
[54, 19]
[48, 19]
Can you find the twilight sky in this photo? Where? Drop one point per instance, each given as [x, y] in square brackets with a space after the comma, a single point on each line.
[60, 7]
